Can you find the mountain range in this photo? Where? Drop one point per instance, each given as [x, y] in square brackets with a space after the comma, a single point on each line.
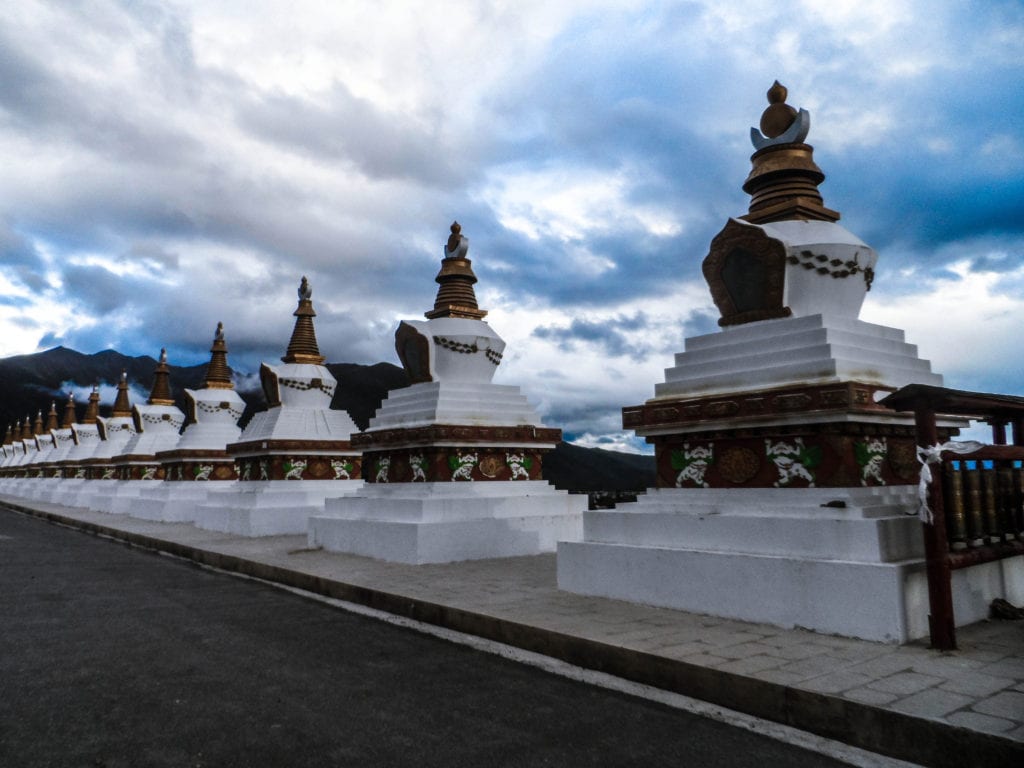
[29, 383]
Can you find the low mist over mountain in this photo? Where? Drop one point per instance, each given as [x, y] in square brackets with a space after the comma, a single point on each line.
[29, 383]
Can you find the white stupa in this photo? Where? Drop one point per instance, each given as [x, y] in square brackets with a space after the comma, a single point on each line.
[73, 467]
[38, 443]
[199, 463]
[115, 431]
[294, 455]
[783, 486]
[452, 462]
[41, 468]
[14, 450]
[6, 454]
[158, 425]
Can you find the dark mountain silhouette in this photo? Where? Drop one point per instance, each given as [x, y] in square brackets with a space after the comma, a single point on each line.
[575, 468]
[29, 383]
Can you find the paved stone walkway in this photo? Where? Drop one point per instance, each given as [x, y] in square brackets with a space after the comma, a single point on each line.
[958, 708]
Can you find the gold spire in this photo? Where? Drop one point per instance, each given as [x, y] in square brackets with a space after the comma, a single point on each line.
[303, 347]
[51, 417]
[455, 296]
[783, 183]
[218, 374]
[160, 394]
[121, 405]
[69, 412]
[92, 410]
[37, 425]
[9, 437]
[26, 428]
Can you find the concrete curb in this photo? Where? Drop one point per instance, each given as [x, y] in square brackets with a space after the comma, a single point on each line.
[906, 737]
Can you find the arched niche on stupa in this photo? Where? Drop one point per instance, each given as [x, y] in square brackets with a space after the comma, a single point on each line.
[746, 272]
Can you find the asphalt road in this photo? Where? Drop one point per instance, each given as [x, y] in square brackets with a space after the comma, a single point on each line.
[112, 656]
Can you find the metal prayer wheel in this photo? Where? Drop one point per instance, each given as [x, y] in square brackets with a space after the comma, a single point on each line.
[1004, 493]
[953, 491]
[989, 505]
[1018, 501]
[972, 505]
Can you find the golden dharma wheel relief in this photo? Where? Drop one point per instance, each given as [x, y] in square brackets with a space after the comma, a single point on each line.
[319, 469]
[490, 466]
[739, 465]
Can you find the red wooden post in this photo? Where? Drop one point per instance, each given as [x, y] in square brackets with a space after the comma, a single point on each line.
[1018, 431]
[936, 547]
[998, 432]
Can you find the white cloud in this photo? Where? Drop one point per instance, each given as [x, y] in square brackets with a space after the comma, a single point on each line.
[965, 326]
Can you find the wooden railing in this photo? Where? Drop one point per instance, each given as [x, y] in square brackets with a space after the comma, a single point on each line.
[976, 499]
[983, 499]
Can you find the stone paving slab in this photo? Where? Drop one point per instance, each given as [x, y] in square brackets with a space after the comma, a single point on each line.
[936, 708]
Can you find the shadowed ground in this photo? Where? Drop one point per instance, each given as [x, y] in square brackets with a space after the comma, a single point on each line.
[113, 656]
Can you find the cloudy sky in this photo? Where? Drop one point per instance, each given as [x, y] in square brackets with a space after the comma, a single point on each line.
[170, 164]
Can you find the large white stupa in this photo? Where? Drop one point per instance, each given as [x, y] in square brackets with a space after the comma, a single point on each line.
[783, 485]
[294, 455]
[453, 462]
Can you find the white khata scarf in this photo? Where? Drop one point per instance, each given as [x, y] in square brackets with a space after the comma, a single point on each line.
[933, 455]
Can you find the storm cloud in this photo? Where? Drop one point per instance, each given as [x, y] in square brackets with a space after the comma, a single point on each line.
[172, 165]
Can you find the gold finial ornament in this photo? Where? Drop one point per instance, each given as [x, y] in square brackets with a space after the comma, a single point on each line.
[783, 182]
[302, 348]
[160, 393]
[122, 407]
[92, 409]
[218, 374]
[69, 412]
[455, 294]
[26, 428]
[37, 425]
[51, 417]
[777, 118]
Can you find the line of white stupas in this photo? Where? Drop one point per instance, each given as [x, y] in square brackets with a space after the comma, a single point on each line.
[448, 470]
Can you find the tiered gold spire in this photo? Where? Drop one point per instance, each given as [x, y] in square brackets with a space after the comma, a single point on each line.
[455, 296]
[9, 437]
[92, 410]
[303, 347]
[783, 183]
[69, 412]
[122, 407]
[26, 428]
[160, 394]
[51, 417]
[37, 425]
[218, 374]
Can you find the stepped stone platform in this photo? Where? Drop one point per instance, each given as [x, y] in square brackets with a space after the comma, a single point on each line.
[948, 709]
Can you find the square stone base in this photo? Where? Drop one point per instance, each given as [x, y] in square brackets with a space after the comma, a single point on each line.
[421, 523]
[269, 507]
[839, 561]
